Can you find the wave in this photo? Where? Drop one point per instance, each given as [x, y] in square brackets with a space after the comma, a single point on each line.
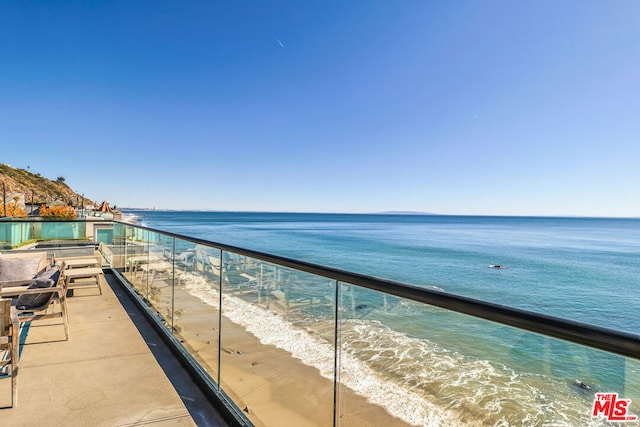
[272, 329]
[131, 217]
[415, 380]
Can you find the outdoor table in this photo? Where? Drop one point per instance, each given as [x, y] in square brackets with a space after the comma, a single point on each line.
[80, 262]
[87, 276]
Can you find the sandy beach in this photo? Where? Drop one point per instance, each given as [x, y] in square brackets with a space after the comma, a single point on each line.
[270, 385]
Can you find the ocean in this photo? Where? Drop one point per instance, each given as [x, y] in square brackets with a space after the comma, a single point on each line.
[582, 269]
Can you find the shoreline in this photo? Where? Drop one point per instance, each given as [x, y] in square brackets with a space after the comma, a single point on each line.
[268, 383]
[281, 375]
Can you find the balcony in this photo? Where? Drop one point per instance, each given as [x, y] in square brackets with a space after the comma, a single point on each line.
[113, 370]
[282, 342]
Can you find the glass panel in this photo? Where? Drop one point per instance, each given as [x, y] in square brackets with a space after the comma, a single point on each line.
[197, 304]
[5, 234]
[25, 233]
[14, 234]
[184, 296]
[155, 271]
[143, 251]
[104, 236]
[62, 230]
[371, 372]
[632, 386]
[429, 366]
[278, 341]
[118, 250]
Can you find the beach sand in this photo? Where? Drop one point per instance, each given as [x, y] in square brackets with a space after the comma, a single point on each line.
[270, 385]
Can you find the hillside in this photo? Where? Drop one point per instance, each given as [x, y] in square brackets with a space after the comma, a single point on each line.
[36, 188]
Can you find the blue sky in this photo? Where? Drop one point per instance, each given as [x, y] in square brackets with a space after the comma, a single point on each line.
[453, 107]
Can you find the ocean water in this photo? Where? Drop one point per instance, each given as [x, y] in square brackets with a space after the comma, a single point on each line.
[469, 370]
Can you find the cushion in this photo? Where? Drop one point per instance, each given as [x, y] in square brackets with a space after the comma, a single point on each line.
[30, 301]
[52, 272]
[22, 266]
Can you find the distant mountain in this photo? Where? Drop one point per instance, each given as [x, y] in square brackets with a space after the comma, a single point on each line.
[34, 187]
[405, 213]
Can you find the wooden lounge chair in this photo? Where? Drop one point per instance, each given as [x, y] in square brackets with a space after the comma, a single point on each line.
[9, 341]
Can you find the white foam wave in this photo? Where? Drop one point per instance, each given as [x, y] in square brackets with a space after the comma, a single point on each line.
[272, 329]
[130, 217]
[477, 390]
[415, 380]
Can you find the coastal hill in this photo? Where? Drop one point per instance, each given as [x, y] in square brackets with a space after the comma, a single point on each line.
[35, 188]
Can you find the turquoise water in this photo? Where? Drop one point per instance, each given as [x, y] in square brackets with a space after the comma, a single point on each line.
[581, 269]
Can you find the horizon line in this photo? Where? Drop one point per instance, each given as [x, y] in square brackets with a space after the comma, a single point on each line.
[402, 213]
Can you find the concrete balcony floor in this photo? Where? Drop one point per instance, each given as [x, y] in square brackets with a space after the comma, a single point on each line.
[114, 371]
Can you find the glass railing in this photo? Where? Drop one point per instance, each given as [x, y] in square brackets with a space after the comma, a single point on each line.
[292, 343]
[15, 234]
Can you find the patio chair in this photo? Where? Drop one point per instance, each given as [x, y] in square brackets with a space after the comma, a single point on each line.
[9, 341]
[33, 298]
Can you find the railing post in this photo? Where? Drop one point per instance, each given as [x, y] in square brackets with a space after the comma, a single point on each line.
[219, 323]
[336, 358]
[173, 282]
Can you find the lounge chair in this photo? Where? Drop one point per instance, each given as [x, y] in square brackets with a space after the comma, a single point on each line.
[9, 341]
[39, 309]
[213, 265]
[33, 290]
[186, 258]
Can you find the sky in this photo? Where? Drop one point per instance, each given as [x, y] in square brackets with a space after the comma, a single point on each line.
[450, 107]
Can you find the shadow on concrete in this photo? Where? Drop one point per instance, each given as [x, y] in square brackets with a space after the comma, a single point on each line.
[201, 409]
